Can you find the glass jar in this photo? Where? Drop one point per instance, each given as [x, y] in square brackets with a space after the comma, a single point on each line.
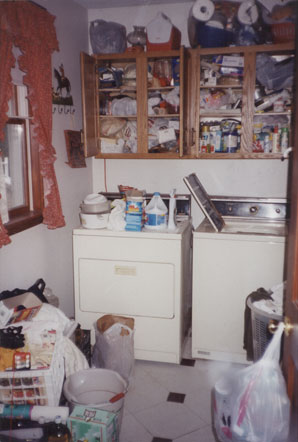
[138, 36]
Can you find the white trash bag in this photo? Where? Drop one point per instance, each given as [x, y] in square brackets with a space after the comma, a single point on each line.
[252, 404]
[114, 345]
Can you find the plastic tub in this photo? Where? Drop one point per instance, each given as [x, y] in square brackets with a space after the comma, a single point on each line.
[97, 388]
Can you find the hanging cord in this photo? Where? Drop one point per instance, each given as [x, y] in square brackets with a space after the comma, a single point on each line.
[105, 174]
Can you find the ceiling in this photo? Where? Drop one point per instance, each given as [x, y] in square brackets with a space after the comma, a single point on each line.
[90, 4]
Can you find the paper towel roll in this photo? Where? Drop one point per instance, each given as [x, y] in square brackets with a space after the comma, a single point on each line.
[203, 10]
[248, 13]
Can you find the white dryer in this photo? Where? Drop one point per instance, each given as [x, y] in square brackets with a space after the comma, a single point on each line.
[145, 275]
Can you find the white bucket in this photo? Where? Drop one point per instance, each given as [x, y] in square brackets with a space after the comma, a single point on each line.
[97, 388]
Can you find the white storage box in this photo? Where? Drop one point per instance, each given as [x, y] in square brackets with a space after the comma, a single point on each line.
[34, 387]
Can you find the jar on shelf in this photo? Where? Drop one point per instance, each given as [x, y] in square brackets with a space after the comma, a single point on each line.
[138, 36]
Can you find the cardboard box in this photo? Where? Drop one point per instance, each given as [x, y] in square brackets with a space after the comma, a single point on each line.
[28, 300]
[92, 424]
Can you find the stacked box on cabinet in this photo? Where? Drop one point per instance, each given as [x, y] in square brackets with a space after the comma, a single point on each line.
[36, 386]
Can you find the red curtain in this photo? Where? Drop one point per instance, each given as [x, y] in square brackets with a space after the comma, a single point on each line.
[31, 28]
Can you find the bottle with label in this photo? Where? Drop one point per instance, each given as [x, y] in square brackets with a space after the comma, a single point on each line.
[275, 140]
[284, 139]
[205, 139]
[58, 431]
[156, 213]
[267, 145]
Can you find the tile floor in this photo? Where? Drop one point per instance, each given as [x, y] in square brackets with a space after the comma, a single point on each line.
[171, 402]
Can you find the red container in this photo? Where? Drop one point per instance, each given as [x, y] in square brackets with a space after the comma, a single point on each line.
[283, 32]
[173, 43]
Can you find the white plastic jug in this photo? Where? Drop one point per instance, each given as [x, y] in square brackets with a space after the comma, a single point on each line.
[156, 213]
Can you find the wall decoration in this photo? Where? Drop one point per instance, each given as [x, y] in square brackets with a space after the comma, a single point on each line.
[61, 95]
[75, 151]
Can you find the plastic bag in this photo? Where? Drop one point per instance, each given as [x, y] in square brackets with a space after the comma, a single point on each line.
[114, 345]
[107, 37]
[252, 404]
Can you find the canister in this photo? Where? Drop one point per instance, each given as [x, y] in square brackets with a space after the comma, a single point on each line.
[205, 139]
[230, 141]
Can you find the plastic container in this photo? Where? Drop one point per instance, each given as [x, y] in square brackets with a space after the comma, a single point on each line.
[201, 34]
[107, 37]
[95, 203]
[260, 333]
[283, 32]
[97, 388]
[156, 213]
[94, 220]
[35, 387]
[162, 35]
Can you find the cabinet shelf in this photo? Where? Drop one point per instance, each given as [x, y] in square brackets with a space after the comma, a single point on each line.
[236, 156]
[163, 116]
[163, 88]
[133, 117]
[221, 113]
[226, 86]
[123, 90]
[258, 113]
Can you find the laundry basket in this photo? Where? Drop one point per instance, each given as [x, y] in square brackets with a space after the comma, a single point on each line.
[260, 332]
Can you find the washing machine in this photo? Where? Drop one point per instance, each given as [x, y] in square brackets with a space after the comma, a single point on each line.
[144, 275]
[239, 247]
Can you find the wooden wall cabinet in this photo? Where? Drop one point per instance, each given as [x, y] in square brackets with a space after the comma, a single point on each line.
[126, 97]
[177, 78]
[200, 112]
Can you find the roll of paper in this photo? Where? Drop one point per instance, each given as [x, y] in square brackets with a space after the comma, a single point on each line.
[203, 10]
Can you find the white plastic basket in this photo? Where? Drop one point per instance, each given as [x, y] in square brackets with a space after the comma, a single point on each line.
[35, 387]
[260, 332]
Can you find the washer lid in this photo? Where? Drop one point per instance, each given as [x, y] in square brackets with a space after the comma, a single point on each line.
[201, 197]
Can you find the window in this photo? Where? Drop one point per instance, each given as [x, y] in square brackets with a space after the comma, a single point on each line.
[20, 160]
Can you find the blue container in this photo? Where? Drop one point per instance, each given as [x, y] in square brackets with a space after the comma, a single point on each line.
[200, 34]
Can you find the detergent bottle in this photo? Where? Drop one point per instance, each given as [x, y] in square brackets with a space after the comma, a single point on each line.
[156, 213]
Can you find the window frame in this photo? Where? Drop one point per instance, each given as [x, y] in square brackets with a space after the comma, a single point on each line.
[30, 214]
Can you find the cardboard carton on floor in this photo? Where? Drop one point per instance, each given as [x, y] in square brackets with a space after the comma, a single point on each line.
[93, 425]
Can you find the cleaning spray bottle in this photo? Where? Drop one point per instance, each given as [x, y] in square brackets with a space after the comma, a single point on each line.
[172, 211]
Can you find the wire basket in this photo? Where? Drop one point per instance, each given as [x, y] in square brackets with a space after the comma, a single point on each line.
[260, 332]
[283, 32]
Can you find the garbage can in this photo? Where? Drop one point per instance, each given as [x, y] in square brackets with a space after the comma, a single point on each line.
[260, 333]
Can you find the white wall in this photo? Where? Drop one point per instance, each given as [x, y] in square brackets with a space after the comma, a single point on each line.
[40, 252]
[223, 177]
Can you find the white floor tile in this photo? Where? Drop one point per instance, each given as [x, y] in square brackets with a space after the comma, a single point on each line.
[169, 420]
[204, 434]
[178, 378]
[200, 403]
[133, 431]
[144, 393]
